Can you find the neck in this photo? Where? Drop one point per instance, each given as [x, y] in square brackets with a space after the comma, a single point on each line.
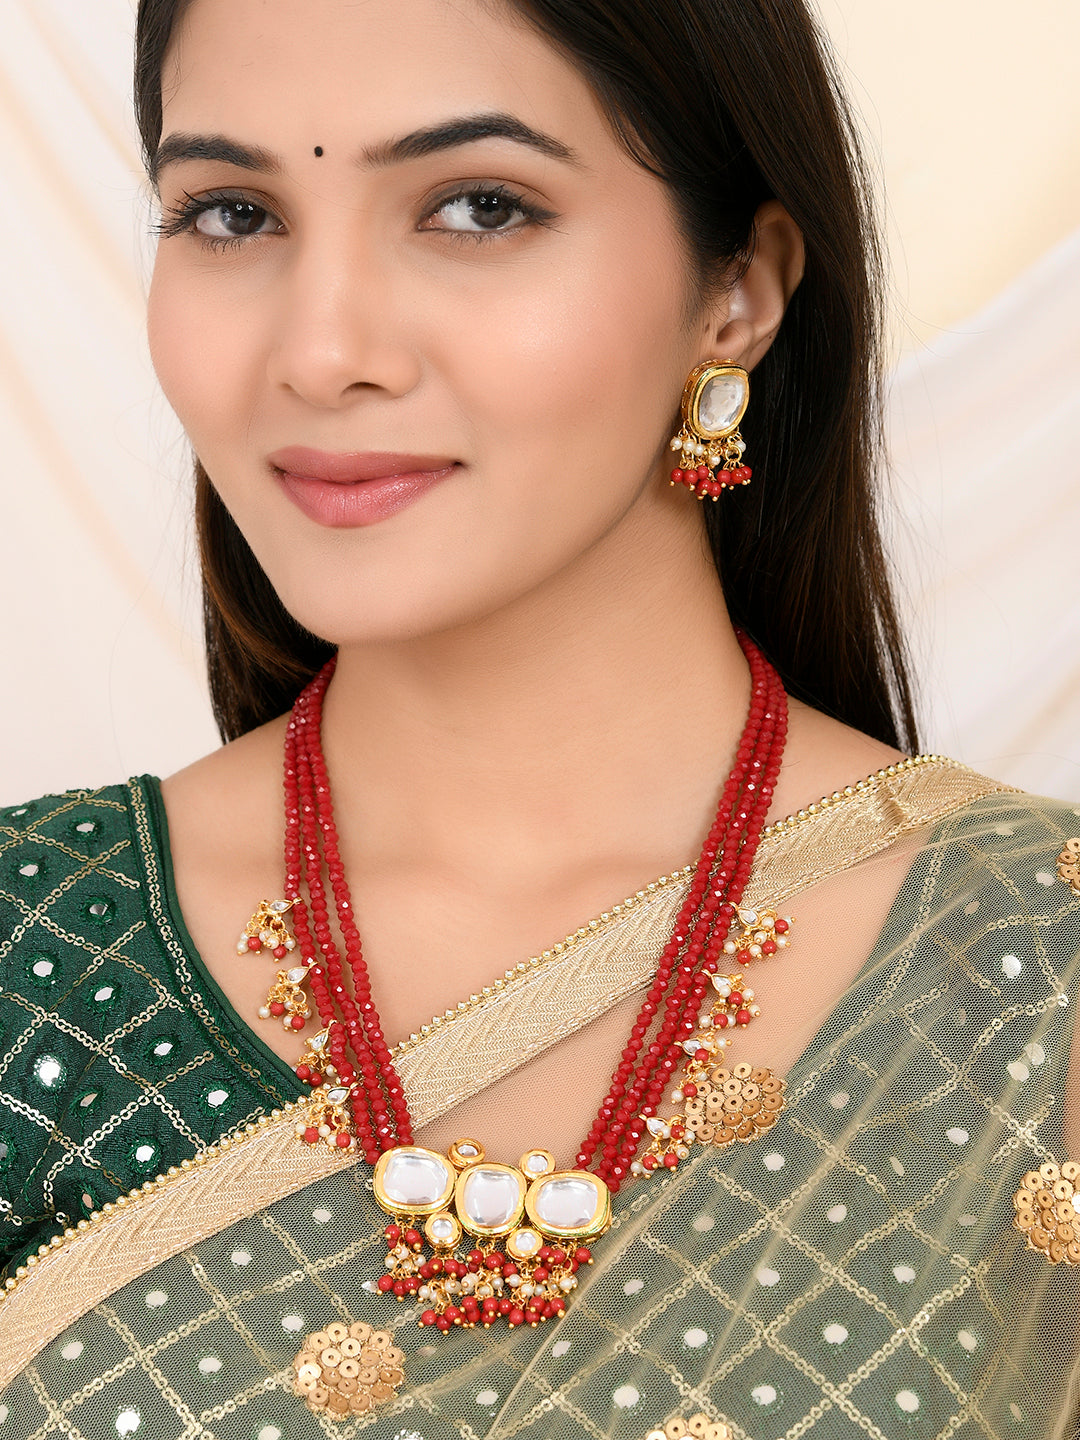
[599, 714]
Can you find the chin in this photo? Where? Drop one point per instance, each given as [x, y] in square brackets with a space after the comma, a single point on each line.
[352, 616]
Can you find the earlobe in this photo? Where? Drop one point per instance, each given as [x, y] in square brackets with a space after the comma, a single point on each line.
[749, 313]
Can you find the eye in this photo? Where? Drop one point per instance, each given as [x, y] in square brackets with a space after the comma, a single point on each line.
[233, 218]
[484, 210]
[219, 220]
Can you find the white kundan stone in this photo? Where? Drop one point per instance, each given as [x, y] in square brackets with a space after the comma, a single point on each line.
[722, 402]
[490, 1197]
[415, 1178]
[567, 1203]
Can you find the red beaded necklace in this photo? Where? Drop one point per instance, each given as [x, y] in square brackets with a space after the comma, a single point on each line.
[359, 1101]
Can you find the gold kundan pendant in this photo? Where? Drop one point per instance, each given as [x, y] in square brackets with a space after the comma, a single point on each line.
[529, 1225]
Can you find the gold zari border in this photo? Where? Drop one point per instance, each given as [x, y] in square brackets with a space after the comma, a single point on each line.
[610, 958]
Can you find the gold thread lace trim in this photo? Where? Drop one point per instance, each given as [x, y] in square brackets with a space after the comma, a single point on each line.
[263, 1163]
[597, 926]
[600, 923]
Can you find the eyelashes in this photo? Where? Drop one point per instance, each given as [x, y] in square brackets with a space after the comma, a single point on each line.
[226, 208]
[227, 219]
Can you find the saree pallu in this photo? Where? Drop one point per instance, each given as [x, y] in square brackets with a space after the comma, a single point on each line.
[855, 1272]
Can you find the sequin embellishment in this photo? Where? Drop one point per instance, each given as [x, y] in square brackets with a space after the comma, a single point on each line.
[348, 1369]
[1068, 864]
[1048, 1211]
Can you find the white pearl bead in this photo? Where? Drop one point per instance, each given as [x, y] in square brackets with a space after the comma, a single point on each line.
[781, 941]
[730, 947]
[755, 951]
[676, 443]
[324, 1130]
[264, 1012]
[676, 1097]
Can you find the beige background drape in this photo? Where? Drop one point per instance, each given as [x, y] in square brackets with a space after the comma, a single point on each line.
[972, 115]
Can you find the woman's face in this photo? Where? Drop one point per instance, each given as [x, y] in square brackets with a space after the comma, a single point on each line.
[355, 281]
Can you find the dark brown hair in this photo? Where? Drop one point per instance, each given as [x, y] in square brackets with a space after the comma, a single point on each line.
[730, 103]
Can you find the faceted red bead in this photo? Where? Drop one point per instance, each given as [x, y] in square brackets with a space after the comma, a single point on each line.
[277, 1008]
[254, 943]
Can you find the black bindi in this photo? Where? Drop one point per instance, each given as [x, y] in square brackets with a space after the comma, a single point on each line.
[318, 149]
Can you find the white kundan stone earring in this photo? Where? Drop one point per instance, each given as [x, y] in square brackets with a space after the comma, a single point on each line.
[709, 444]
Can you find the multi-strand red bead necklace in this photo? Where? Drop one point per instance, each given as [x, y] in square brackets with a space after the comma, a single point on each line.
[358, 1101]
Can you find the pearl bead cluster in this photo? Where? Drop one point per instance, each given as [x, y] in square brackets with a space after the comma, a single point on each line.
[708, 468]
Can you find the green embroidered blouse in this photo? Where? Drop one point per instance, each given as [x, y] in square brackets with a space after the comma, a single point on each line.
[119, 1054]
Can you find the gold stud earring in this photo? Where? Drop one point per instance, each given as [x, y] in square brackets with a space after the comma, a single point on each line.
[711, 449]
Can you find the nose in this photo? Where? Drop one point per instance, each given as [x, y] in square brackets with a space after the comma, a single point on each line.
[337, 331]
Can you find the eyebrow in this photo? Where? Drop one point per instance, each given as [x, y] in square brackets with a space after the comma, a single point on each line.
[447, 135]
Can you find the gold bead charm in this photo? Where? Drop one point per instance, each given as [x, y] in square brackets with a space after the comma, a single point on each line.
[266, 930]
[287, 999]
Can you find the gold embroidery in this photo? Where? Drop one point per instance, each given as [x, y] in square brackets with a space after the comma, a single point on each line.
[1068, 865]
[698, 1427]
[348, 1369]
[1048, 1211]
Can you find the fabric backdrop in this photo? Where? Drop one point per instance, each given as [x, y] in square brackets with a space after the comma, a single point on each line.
[101, 651]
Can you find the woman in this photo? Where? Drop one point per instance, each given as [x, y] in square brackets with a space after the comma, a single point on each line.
[430, 284]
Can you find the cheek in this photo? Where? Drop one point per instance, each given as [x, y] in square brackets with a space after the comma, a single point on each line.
[196, 352]
[586, 364]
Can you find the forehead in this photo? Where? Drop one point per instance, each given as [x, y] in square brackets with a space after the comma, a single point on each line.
[352, 71]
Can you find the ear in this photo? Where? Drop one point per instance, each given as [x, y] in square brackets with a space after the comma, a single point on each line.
[743, 322]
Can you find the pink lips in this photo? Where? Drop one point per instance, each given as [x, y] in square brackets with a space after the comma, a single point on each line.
[359, 489]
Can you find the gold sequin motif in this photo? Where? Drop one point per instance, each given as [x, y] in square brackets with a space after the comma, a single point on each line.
[698, 1427]
[1048, 1211]
[1068, 864]
[348, 1369]
[735, 1104]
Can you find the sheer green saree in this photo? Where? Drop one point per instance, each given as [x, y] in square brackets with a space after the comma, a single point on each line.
[856, 1271]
